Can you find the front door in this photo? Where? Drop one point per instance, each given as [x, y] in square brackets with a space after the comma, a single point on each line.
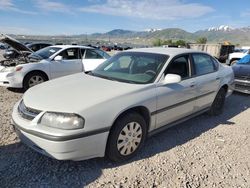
[175, 101]
[71, 63]
[91, 60]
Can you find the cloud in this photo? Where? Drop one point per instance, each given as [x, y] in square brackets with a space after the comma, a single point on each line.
[154, 9]
[53, 6]
[8, 5]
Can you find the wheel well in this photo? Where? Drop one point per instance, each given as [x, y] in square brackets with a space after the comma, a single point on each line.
[143, 111]
[225, 87]
[233, 59]
[34, 72]
[37, 71]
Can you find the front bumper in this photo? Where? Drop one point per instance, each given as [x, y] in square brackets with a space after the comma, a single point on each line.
[62, 147]
[242, 86]
[10, 79]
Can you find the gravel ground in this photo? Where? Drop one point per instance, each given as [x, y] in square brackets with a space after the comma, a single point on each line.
[202, 152]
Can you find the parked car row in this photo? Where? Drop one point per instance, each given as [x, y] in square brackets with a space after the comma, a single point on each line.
[115, 47]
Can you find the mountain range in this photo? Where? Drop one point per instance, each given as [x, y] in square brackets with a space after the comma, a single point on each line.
[240, 36]
[214, 35]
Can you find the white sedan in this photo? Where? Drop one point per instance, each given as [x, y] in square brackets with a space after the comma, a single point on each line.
[112, 110]
[49, 63]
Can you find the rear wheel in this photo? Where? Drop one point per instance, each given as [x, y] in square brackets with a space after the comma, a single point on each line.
[126, 137]
[33, 79]
[217, 105]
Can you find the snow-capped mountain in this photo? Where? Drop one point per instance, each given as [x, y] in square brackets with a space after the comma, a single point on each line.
[221, 28]
[151, 30]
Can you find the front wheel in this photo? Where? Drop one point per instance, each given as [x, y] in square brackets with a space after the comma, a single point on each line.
[33, 79]
[126, 137]
[218, 103]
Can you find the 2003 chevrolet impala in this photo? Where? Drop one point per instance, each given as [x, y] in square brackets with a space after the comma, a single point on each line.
[112, 110]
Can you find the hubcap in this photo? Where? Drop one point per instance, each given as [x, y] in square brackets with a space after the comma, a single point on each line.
[34, 80]
[129, 138]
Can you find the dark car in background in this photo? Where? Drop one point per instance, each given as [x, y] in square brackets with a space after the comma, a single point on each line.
[242, 74]
[37, 46]
[12, 53]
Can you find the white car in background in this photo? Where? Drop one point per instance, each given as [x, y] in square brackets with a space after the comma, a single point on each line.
[49, 63]
[236, 56]
[112, 110]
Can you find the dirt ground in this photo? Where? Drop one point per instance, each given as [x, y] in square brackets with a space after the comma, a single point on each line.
[202, 152]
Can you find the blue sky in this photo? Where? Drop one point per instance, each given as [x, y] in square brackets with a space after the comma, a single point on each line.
[51, 17]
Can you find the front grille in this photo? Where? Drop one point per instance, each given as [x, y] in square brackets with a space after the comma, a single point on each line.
[242, 87]
[27, 113]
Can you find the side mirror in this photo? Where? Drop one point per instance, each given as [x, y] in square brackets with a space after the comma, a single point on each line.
[58, 58]
[171, 79]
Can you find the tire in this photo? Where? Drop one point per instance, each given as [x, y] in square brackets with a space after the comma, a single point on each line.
[126, 138]
[233, 62]
[218, 103]
[33, 79]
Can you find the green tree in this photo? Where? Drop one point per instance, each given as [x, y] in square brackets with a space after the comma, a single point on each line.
[167, 42]
[201, 40]
[157, 42]
[180, 43]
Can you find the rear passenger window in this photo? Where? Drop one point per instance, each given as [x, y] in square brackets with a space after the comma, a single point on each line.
[203, 64]
[91, 54]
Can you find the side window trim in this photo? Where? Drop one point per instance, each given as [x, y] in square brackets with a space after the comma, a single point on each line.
[83, 54]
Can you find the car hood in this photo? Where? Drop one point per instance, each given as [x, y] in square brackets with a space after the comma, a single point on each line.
[14, 43]
[241, 70]
[76, 93]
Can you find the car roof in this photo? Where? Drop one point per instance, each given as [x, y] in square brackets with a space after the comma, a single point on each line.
[35, 43]
[166, 51]
[72, 46]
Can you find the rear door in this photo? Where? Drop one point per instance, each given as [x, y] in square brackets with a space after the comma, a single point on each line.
[71, 63]
[91, 59]
[175, 101]
[206, 78]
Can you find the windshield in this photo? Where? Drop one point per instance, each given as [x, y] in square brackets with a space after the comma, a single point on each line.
[132, 67]
[45, 53]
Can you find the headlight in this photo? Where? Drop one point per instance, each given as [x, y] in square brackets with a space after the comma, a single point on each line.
[8, 69]
[65, 121]
[12, 69]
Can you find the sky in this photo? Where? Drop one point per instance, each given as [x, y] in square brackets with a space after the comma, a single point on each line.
[67, 17]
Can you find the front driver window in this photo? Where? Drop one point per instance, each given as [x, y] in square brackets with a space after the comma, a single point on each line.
[71, 53]
[179, 66]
